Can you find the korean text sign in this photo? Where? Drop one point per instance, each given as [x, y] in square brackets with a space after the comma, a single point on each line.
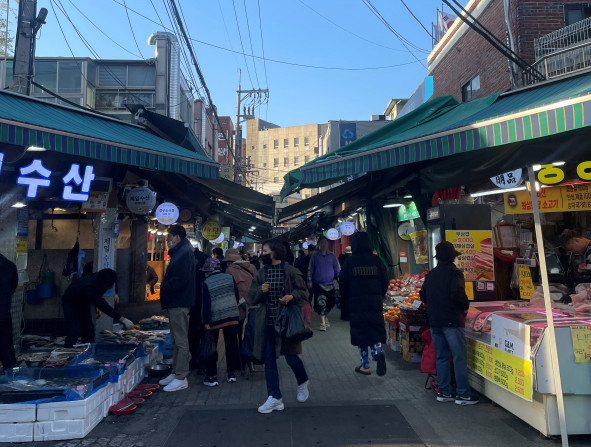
[581, 343]
[477, 259]
[556, 199]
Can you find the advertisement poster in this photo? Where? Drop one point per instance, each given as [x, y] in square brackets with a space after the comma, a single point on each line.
[581, 343]
[420, 245]
[508, 371]
[211, 230]
[526, 285]
[477, 258]
[551, 200]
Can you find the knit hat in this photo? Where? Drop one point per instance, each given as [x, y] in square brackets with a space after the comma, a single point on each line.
[210, 265]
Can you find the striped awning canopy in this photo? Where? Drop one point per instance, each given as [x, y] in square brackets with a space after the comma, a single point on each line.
[442, 127]
[26, 121]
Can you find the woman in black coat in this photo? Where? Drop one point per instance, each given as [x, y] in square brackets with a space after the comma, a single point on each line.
[363, 282]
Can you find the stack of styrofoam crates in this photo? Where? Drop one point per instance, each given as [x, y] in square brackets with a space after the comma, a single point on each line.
[71, 419]
[17, 422]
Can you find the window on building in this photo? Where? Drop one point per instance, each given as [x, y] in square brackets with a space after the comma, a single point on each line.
[306, 159]
[285, 162]
[275, 179]
[252, 148]
[275, 144]
[275, 162]
[46, 75]
[113, 75]
[306, 141]
[69, 77]
[141, 75]
[576, 13]
[296, 142]
[296, 161]
[265, 146]
[471, 89]
[264, 165]
[285, 143]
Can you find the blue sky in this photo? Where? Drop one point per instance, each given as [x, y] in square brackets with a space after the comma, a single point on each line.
[292, 32]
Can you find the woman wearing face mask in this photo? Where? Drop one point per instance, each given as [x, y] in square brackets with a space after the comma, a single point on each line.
[277, 284]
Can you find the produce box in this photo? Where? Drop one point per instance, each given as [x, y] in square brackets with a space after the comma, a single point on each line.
[413, 317]
[412, 346]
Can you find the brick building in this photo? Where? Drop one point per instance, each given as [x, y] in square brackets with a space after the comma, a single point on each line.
[465, 65]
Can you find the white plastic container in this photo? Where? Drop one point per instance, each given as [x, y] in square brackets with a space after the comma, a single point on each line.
[20, 432]
[17, 413]
[77, 409]
[68, 429]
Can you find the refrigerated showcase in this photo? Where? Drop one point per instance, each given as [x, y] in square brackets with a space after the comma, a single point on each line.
[509, 362]
[469, 228]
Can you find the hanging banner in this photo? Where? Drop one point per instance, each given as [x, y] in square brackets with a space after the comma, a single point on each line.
[551, 200]
[526, 285]
[421, 247]
[347, 228]
[140, 200]
[477, 258]
[211, 230]
[97, 203]
[508, 179]
[581, 343]
[167, 213]
[408, 211]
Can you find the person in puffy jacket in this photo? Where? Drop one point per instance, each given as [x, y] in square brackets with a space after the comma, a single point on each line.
[444, 294]
[8, 284]
[363, 282]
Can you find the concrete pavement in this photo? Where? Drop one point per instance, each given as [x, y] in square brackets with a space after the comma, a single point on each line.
[344, 409]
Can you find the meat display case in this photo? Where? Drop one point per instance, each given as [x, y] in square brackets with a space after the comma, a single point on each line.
[509, 362]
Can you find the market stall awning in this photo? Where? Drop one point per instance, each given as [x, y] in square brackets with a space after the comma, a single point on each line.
[443, 127]
[26, 121]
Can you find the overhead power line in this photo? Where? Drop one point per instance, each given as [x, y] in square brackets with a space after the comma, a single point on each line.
[131, 28]
[251, 48]
[241, 43]
[277, 61]
[264, 60]
[417, 19]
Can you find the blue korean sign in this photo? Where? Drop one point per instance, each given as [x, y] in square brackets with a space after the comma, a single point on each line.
[347, 133]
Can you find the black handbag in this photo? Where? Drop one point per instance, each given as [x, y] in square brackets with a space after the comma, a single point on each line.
[290, 325]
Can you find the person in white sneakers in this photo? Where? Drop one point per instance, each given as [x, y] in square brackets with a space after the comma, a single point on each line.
[277, 284]
[177, 295]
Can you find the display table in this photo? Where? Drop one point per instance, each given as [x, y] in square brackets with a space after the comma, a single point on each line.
[509, 362]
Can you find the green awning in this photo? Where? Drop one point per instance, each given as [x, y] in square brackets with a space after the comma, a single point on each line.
[27, 121]
[442, 127]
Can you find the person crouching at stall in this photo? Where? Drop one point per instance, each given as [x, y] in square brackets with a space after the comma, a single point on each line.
[363, 282]
[277, 284]
[444, 294]
[78, 300]
[220, 311]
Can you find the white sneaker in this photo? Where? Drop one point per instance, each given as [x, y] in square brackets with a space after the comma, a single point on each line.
[271, 404]
[303, 392]
[176, 385]
[167, 380]
[322, 327]
[326, 322]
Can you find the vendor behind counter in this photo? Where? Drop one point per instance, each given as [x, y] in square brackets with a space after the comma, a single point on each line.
[573, 242]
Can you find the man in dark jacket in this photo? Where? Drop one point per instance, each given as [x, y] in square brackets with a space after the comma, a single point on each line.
[77, 303]
[177, 295]
[444, 294]
[8, 283]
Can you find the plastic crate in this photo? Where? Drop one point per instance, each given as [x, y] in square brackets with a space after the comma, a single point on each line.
[18, 413]
[69, 428]
[19, 432]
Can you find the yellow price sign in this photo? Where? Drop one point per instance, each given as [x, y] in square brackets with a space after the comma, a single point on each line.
[211, 230]
[507, 371]
[526, 285]
[469, 286]
[581, 343]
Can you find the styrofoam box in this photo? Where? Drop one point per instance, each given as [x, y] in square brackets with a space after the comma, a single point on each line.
[17, 413]
[76, 409]
[68, 429]
[20, 432]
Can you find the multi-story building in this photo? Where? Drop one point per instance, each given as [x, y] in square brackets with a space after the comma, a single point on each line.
[274, 151]
[553, 36]
[107, 86]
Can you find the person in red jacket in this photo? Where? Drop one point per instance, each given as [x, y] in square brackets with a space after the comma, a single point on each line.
[444, 294]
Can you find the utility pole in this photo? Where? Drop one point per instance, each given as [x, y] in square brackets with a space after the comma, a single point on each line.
[24, 52]
[255, 98]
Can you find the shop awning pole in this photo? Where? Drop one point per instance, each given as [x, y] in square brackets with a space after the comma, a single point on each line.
[548, 304]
